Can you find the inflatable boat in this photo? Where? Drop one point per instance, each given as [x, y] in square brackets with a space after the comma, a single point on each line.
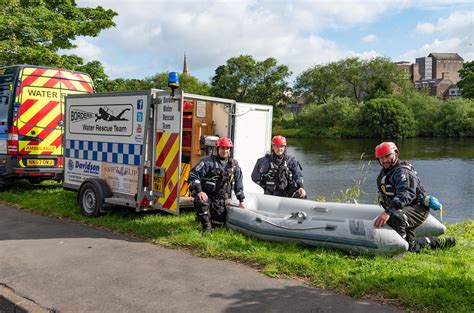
[343, 226]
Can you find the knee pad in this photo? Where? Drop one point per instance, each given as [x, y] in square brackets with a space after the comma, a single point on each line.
[200, 207]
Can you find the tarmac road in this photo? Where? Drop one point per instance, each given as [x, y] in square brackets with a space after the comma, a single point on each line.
[68, 267]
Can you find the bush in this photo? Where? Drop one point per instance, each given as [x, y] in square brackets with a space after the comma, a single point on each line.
[284, 120]
[335, 118]
[425, 108]
[387, 118]
[456, 118]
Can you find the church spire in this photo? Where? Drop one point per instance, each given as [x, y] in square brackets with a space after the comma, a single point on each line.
[185, 66]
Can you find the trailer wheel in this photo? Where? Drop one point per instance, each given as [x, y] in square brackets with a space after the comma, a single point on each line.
[91, 198]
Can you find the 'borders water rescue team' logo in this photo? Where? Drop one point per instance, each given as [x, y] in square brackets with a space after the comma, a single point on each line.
[104, 113]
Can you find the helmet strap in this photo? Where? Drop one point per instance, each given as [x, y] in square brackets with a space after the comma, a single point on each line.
[395, 159]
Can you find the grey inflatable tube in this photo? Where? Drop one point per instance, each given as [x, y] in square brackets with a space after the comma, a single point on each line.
[343, 226]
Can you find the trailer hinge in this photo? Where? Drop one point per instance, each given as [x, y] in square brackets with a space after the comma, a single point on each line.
[155, 101]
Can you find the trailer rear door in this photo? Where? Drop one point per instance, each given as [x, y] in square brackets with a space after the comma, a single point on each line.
[252, 138]
[167, 151]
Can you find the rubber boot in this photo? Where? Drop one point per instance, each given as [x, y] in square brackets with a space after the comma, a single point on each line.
[433, 243]
[442, 243]
[206, 226]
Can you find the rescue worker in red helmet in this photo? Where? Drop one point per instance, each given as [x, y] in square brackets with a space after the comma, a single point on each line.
[212, 181]
[400, 192]
[278, 173]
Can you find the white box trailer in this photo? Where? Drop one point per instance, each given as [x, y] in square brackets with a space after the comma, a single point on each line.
[135, 149]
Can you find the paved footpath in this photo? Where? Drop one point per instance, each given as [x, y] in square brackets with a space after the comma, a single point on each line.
[68, 267]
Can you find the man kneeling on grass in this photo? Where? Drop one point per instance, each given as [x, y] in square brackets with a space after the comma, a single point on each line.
[401, 194]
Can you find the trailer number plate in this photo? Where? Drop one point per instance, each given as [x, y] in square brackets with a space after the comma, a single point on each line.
[39, 162]
[158, 184]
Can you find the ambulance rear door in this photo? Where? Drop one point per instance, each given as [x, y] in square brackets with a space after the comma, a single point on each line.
[166, 166]
[252, 131]
[40, 116]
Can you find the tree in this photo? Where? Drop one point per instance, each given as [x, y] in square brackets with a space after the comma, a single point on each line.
[247, 80]
[350, 71]
[466, 84]
[122, 84]
[387, 118]
[33, 32]
[187, 83]
[382, 77]
[319, 83]
[358, 79]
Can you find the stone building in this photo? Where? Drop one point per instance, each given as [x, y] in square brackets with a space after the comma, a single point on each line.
[449, 63]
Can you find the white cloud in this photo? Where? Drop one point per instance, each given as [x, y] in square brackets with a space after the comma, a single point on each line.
[457, 23]
[460, 46]
[369, 38]
[425, 28]
[211, 32]
[86, 50]
[453, 34]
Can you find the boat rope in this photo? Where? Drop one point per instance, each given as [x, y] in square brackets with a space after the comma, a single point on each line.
[327, 227]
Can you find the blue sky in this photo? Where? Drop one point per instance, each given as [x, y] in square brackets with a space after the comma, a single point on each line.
[152, 36]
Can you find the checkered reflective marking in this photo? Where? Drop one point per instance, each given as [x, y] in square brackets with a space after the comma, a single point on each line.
[122, 153]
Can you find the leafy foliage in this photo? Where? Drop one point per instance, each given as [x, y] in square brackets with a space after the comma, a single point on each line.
[426, 110]
[387, 118]
[32, 32]
[335, 118]
[188, 83]
[122, 84]
[456, 118]
[247, 80]
[319, 83]
[467, 80]
[361, 80]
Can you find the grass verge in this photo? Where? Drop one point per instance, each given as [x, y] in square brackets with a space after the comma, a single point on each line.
[441, 281]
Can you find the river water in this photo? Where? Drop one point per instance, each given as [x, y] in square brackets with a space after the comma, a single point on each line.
[445, 166]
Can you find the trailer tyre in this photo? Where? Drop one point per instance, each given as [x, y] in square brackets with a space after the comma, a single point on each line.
[91, 198]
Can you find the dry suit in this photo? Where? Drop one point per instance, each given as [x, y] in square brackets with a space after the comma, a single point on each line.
[400, 192]
[217, 178]
[278, 175]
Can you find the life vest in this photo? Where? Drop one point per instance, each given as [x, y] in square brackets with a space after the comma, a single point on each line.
[219, 181]
[278, 177]
[388, 190]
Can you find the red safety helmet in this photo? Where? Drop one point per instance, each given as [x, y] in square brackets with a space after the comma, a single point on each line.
[385, 148]
[279, 140]
[224, 142]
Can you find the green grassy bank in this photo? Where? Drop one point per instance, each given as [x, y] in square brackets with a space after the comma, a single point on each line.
[441, 281]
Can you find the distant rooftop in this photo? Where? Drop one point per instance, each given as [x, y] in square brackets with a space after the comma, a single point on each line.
[446, 56]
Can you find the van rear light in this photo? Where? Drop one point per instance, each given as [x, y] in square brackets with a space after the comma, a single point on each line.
[146, 180]
[145, 202]
[12, 140]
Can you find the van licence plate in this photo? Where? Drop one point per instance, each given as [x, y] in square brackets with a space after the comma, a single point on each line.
[158, 184]
[39, 162]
